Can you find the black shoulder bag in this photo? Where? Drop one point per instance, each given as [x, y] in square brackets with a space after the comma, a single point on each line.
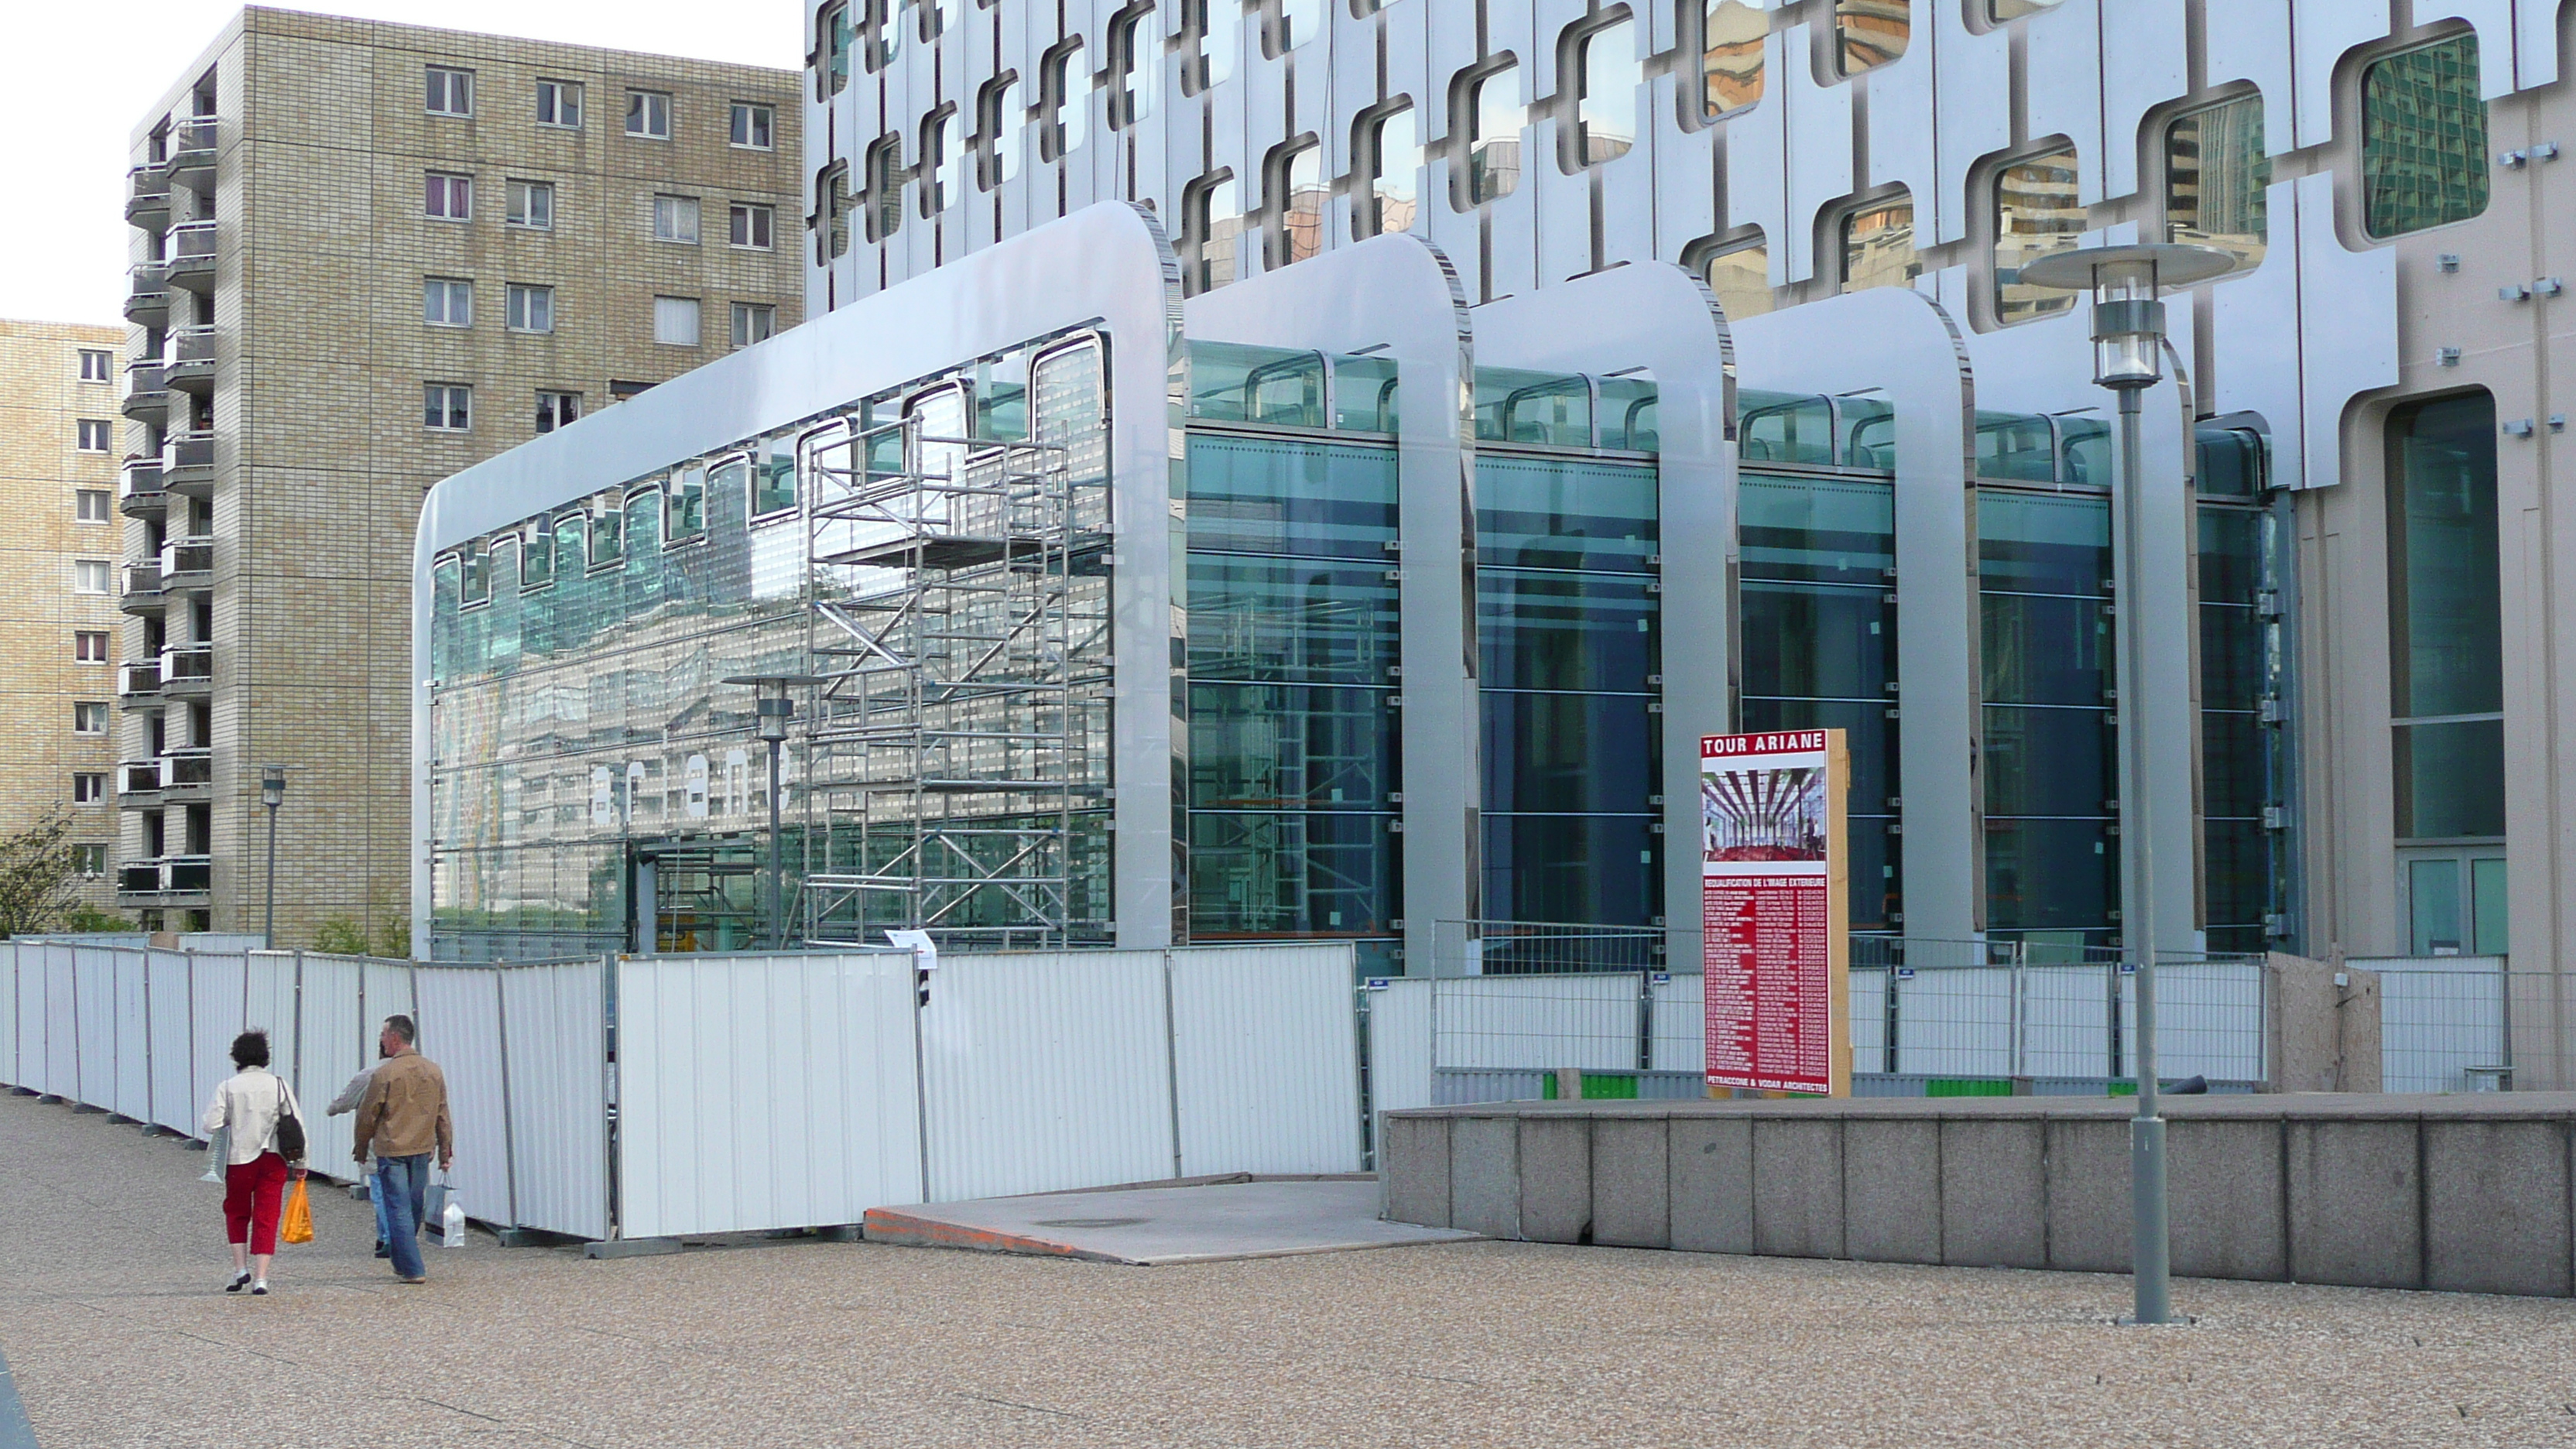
[290, 1130]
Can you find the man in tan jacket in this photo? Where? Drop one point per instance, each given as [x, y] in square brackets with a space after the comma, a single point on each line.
[403, 1116]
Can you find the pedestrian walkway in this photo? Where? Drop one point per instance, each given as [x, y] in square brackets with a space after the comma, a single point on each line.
[113, 1325]
[1163, 1226]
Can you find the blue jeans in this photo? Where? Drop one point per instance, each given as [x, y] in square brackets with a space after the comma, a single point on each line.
[384, 1234]
[402, 1191]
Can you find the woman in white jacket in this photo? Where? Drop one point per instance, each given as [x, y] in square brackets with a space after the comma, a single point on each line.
[246, 1106]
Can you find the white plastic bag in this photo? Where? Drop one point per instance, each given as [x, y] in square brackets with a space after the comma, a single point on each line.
[216, 1150]
[451, 1230]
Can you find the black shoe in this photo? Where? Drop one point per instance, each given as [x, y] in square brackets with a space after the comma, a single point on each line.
[240, 1281]
[384, 1250]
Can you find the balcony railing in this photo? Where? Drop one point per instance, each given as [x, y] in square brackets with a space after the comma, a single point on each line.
[188, 463]
[191, 361]
[147, 194]
[188, 563]
[188, 770]
[165, 876]
[139, 679]
[148, 305]
[187, 668]
[142, 583]
[191, 255]
[192, 144]
[147, 391]
[139, 782]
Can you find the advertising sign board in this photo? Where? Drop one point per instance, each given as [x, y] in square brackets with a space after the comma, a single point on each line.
[1775, 911]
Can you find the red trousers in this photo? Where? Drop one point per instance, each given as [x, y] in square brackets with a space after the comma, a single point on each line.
[252, 1191]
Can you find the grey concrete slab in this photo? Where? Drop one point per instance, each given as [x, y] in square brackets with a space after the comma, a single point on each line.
[2223, 1180]
[1892, 1191]
[1485, 1175]
[1631, 1183]
[1151, 1226]
[2355, 1190]
[1994, 1195]
[1711, 1160]
[1413, 1155]
[2089, 1210]
[1798, 1188]
[2318, 1106]
[1556, 1180]
[2495, 1207]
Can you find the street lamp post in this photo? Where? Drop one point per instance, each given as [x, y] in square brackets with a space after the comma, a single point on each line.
[2128, 358]
[774, 710]
[272, 793]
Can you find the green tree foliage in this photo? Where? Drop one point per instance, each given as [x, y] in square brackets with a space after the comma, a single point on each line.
[39, 880]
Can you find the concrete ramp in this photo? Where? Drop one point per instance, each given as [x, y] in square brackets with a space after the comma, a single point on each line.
[1156, 1226]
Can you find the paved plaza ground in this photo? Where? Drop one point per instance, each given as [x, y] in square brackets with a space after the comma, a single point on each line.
[111, 1259]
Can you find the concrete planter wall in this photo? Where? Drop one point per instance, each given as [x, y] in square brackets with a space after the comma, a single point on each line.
[2466, 1193]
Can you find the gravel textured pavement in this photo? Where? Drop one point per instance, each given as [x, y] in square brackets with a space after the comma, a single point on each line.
[112, 1319]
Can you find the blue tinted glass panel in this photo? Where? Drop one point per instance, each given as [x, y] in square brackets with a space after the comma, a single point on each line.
[1282, 496]
[1569, 753]
[1592, 869]
[1539, 630]
[1564, 513]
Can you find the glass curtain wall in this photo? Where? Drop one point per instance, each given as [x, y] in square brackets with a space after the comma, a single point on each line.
[1294, 756]
[1568, 629]
[2050, 756]
[2424, 158]
[2243, 664]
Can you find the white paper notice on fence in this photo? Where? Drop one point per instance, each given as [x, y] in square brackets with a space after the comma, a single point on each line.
[1774, 911]
[925, 952]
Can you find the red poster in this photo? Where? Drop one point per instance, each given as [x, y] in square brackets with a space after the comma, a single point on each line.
[1774, 920]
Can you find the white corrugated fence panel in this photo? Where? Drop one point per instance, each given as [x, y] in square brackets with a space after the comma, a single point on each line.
[460, 1029]
[1046, 1071]
[1400, 1044]
[384, 990]
[2209, 1021]
[1536, 1023]
[215, 1010]
[2438, 1017]
[557, 1022]
[31, 1016]
[62, 1024]
[94, 995]
[1265, 1050]
[330, 1055]
[8, 1013]
[2066, 1021]
[133, 1039]
[761, 1092]
[1680, 1039]
[1866, 996]
[1955, 1022]
[174, 1043]
[268, 1004]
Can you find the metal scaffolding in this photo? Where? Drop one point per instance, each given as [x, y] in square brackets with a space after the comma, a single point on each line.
[956, 776]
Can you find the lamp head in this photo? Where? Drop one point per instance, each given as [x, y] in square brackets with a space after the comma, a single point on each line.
[2128, 320]
[272, 785]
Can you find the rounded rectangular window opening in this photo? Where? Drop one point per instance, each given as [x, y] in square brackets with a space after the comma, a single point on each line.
[2217, 179]
[1496, 115]
[1878, 245]
[1738, 274]
[2423, 138]
[1298, 195]
[1870, 33]
[1731, 41]
[1393, 147]
[2039, 210]
[1609, 74]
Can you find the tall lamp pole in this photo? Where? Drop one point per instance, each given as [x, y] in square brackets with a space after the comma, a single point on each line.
[2128, 358]
[272, 793]
[775, 709]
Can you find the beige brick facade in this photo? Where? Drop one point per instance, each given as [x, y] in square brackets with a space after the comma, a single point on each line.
[58, 512]
[315, 410]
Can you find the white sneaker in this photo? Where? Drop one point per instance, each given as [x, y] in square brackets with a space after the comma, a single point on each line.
[260, 1288]
[240, 1281]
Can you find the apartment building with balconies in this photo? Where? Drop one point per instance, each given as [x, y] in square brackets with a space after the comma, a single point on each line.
[365, 256]
[58, 585]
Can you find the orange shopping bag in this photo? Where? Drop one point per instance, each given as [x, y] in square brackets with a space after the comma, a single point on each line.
[295, 1221]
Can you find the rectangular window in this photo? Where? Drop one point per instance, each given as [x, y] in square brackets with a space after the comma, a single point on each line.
[2446, 620]
[675, 321]
[1136, 65]
[91, 435]
[607, 533]
[89, 718]
[1606, 117]
[1298, 195]
[532, 205]
[89, 861]
[447, 301]
[92, 576]
[648, 114]
[555, 409]
[773, 477]
[1739, 274]
[943, 147]
[537, 557]
[2037, 211]
[90, 505]
[1212, 222]
[88, 788]
[684, 507]
[1395, 172]
[1495, 118]
[885, 187]
[1878, 246]
[1003, 135]
[751, 125]
[1731, 36]
[2216, 179]
[832, 28]
[451, 92]
[675, 219]
[1869, 33]
[90, 646]
[474, 575]
[750, 226]
[2423, 138]
[446, 406]
[559, 103]
[753, 322]
[530, 309]
[97, 365]
[1064, 95]
[448, 197]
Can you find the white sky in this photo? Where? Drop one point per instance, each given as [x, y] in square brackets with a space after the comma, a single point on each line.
[75, 75]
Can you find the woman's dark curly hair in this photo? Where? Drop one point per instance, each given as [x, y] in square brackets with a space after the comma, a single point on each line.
[250, 1049]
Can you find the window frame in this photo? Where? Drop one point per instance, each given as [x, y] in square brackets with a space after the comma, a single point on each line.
[105, 360]
[85, 569]
[755, 217]
[674, 206]
[536, 541]
[106, 640]
[2480, 173]
[697, 311]
[685, 482]
[608, 510]
[740, 314]
[85, 500]
[447, 188]
[1473, 182]
[451, 82]
[450, 393]
[89, 428]
[89, 787]
[639, 107]
[449, 288]
[550, 400]
[764, 119]
[566, 96]
[1589, 98]
[84, 710]
[518, 204]
[520, 302]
